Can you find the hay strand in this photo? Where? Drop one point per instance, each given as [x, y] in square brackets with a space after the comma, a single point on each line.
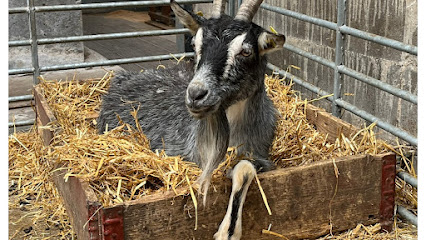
[119, 165]
[265, 200]
[194, 200]
[264, 231]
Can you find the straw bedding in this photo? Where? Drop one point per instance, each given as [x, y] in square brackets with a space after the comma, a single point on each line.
[119, 165]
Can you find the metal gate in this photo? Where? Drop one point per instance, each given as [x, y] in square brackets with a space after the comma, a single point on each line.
[338, 65]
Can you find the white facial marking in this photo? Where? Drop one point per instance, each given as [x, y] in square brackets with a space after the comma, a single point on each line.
[198, 42]
[235, 47]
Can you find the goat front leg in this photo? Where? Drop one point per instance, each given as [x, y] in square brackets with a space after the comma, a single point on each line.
[231, 226]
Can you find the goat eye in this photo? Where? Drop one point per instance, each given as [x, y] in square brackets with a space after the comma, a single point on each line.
[246, 52]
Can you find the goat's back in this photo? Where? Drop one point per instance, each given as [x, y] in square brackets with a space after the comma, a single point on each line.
[159, 96]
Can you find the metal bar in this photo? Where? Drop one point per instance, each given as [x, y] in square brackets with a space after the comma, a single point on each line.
[114, 5]
[310, 56]
[100, 37]
[183, 42]
[299, 81]
[380, 123]
[113, 36]
[405, 213]
[18, 10]
[101, 63]
[231, 8]
[19, 43]
[180, 40]
[299, 16]
[20, 71]
[343, 29]
[361, 113]
[339, 58]
[379, 39]
[21, 98]
[379, 84]
[408, 178]
[352, 73]
[114, 62]
[21, 123]
[33, 37]
[239, 3]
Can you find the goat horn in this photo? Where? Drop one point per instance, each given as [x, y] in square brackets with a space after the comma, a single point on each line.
[218, 8]
[247, 10]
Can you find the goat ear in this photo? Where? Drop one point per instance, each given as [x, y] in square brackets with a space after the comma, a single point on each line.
[191, 21]
[269, 42]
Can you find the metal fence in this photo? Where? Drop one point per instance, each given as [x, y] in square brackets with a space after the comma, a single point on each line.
[340, 70]
[338, 65]
[34, 42]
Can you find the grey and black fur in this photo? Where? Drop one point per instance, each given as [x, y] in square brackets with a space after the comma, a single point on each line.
[197, 109]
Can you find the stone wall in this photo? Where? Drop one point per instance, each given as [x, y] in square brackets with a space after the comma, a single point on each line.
[49, 24]
[394, 19]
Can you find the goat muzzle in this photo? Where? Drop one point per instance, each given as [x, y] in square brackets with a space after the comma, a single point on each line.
[199, 100]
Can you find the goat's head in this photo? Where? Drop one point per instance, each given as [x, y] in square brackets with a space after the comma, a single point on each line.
[229, 56]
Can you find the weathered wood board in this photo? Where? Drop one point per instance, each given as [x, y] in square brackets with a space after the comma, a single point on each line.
[306, 201]
[326, 123]
[44, 116]
[76, 194]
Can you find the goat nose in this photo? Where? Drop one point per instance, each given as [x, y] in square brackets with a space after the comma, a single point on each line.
[197, 94]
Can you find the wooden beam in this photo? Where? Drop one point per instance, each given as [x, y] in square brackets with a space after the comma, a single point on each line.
[306, 202]
[328, 124]
[79, 200]
[44, 116]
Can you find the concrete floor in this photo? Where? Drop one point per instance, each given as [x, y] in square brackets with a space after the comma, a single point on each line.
[127, 21]
[113, 22]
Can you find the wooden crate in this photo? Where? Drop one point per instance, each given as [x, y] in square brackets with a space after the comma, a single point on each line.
[304, 200]
[162, 14]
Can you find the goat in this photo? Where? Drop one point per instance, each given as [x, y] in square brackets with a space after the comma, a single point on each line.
[198, 109]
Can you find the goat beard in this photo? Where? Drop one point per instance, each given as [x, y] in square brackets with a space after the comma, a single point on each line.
[212, 143]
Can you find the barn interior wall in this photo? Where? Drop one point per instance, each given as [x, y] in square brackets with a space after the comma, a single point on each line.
[48, 25]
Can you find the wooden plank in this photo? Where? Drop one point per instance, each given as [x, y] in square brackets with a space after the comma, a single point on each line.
[165, 19]
[328, 124]
[301, 199]
[78, 199]
[21, 113]
[44, 116]
[20, 104]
